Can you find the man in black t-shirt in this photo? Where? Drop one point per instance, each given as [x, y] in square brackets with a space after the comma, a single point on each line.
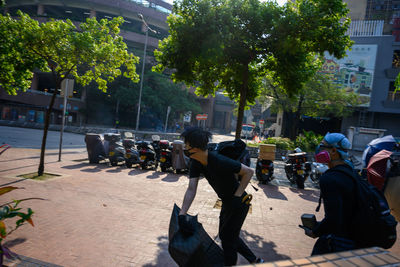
[220, 173]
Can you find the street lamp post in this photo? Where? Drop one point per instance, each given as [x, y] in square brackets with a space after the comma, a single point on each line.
[144, 60]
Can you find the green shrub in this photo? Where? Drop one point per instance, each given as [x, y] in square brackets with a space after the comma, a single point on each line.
[308, 141]
[280, 142]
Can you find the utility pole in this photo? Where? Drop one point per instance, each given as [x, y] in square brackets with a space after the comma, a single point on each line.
[63, 119]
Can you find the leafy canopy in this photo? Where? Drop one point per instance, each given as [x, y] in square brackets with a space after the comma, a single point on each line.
[59, 46]
[319, 97]
[213, 44]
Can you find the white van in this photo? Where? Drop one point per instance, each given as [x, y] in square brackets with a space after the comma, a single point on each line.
[247, 131]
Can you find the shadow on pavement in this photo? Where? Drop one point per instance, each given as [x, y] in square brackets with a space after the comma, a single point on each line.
[75, 166]
[154, 175]
[115, 170]
[14, 242]
[307, 194]
[36, 164]
[37, 157]
[262, 248]
[97, 168]
[14, 182]
[256, 243]
[272, 191]
[171, 178]
[163, 257]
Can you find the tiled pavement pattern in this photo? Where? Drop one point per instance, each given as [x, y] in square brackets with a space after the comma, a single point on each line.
[360, 258]
[97, 215]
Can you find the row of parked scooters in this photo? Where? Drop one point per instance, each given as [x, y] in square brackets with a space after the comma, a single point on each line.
[144, 154]
[297, 169]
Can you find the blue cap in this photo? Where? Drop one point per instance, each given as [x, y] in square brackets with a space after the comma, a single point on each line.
[339, 141]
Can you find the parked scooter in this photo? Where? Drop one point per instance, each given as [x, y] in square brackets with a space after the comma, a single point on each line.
[116, 150]
[147, 155]
[264, 170]
[131, 154]
[265, 165]
[165, 155]
[297, 168]
[317, 170]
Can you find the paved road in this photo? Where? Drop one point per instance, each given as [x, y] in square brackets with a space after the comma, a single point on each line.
[32, 138]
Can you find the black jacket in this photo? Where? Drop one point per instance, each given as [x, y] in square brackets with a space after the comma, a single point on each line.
[338, 195]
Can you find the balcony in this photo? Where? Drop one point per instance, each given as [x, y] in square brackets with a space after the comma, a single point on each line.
[359, 28]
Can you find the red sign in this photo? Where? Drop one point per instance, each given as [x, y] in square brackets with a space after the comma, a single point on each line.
[261, 121]
[201, 117]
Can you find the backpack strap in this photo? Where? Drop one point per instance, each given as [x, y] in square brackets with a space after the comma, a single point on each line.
[341, 169]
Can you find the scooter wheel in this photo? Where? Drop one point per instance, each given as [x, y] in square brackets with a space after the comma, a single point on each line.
[143, 166]
[128, 164]
[163, 169]
[300, 182]
[113, 163]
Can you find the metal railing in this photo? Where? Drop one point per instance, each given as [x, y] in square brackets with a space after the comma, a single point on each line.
[366, 28]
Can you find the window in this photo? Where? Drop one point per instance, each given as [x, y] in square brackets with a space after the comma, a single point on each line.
[396, 59]
[392, 95]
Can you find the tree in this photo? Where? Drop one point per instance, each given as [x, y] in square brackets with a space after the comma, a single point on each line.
[159, 92]
[230, 44]
[60, 47]
[318, 98]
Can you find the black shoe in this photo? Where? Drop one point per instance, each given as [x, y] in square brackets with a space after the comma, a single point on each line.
[259, 260]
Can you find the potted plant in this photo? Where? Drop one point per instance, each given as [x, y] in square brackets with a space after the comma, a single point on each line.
[11, 210]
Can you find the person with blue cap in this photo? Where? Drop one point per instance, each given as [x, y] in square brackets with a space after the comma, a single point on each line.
[338, 195]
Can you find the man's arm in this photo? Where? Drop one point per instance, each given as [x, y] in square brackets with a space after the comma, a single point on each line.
[189, 195]
[246, 173]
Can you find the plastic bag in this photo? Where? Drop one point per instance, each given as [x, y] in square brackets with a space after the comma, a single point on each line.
[194, 250]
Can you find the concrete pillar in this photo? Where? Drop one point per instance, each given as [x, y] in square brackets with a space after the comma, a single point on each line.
[92, 13]
[35, 81]
[40, 9]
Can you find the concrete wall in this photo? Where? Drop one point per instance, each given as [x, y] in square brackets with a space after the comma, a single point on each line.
[357, 9]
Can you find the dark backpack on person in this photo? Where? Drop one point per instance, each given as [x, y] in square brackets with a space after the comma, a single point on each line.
[372, 223]
[235, 150]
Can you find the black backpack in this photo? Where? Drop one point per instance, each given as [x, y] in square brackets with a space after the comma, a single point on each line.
[372, 224]
[235, 150]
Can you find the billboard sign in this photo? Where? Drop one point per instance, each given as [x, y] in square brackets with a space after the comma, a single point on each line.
[355, 72]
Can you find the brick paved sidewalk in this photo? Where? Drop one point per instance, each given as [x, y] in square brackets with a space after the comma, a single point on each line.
[97, 215]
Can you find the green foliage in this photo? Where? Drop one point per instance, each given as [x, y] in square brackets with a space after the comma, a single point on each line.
[11, 210]
[308, 141]
[159, 92]
[319, 97]
[280, 142]
[16, 62]
[230, 44]
[58, 46]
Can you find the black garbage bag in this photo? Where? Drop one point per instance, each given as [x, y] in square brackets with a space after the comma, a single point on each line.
[198, 249]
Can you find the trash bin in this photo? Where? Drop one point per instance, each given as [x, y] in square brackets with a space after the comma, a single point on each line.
[95, 147]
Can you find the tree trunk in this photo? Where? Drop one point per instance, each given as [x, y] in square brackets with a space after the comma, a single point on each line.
[242, 102]
[45, 130]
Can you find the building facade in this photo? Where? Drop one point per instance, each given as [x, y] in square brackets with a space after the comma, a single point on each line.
[30, 106]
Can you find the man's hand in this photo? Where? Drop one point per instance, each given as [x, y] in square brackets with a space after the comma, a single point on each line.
[185, 226]
[308, 231]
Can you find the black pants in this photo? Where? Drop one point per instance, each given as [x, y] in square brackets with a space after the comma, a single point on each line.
[231, 220]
